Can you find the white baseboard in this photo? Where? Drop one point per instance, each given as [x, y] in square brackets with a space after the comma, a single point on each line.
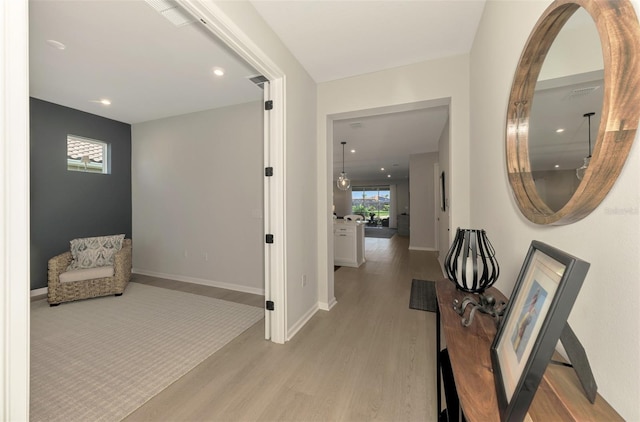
[212, 283]
[38, 292]
[420, 248]
[301, 322]
[324, 306]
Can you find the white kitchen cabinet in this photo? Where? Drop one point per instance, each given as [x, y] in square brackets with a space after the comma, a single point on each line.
[348, 243]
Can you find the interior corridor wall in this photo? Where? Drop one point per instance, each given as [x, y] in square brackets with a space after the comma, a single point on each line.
[197, 184]
[443, 81]
[605, 315]
[422, 234]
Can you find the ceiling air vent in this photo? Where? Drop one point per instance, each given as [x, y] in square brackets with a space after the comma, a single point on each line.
[172, 11]
[580, 92]
[258, 80]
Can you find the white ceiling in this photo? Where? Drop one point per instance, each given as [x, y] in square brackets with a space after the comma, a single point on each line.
[338, 39]
[148, 68]
[386, 141]
[127, 52]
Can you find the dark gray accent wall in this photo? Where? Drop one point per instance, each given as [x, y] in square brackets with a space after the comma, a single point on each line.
[67, 204]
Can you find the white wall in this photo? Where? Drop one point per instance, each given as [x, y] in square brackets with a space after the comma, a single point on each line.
[402, 197]
[300, 164]
[435, 80]
[422, 207]
[605, 316]
[197, 197]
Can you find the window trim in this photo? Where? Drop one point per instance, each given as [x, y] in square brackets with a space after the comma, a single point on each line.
[95, 168]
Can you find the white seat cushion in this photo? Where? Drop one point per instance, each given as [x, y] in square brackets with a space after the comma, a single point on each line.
[86, 274]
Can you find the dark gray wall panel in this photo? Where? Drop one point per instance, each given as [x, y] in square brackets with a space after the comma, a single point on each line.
[67, 204]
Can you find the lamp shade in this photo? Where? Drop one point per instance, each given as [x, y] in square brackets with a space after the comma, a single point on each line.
[343, 181]
[471, 263]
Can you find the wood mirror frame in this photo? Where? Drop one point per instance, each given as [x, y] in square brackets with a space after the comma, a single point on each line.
[619, 33]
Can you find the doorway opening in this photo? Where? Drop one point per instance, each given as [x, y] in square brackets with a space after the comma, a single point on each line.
[355, 122]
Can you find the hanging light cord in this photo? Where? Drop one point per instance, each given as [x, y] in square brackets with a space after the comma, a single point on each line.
[343, 143]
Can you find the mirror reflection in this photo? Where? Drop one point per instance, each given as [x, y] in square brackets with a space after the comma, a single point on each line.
[569, 88]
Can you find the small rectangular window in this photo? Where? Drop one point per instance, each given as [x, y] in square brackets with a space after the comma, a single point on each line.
[88, 155]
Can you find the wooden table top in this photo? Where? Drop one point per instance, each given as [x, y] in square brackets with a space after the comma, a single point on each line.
[559, 396]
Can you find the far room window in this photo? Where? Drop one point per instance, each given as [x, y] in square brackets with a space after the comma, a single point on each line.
[88, 155]
[373, 203]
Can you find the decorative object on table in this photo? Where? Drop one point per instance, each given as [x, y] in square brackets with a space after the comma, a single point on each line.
[536, 316]
[580, 171]
[485, 304]
[343, 181]
[471, 264]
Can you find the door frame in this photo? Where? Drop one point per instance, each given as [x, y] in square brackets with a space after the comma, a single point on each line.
[14, 211]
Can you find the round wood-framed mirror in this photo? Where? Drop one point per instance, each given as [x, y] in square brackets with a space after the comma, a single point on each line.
[619, 33]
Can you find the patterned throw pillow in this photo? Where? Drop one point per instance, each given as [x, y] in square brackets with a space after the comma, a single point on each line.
[92, 252]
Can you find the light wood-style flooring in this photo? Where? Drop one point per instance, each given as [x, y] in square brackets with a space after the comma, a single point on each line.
[370, 358]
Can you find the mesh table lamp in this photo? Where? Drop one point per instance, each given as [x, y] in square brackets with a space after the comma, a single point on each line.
[471, 264]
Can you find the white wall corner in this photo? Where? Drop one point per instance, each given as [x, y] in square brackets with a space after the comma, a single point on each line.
[297, 326]
[324, 306]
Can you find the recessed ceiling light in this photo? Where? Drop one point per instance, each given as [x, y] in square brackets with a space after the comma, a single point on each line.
[104, 101]
[218, 71]
[388, 175]
[56, 44]
[557, 166]
[559, 130]
[381, 168]
[353, 151]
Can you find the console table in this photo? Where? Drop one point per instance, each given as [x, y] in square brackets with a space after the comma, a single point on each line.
[559, 397]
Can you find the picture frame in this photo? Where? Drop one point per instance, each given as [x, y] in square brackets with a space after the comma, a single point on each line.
[545, 291]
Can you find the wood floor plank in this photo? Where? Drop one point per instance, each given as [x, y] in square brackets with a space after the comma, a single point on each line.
[370, 358]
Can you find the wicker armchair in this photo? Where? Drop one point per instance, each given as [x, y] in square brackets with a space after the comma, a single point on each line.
[59, 292]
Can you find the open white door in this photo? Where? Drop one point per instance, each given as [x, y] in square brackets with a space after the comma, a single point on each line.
[266, 213]
[218, 23]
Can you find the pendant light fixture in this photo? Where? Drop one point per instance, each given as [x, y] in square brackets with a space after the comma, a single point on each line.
[580, 171]
[343, 181]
